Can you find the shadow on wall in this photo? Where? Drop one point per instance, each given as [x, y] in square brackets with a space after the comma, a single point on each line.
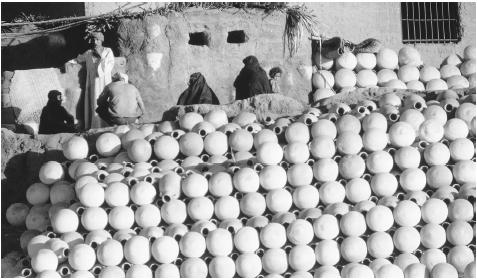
[43, 52]
[51, 50]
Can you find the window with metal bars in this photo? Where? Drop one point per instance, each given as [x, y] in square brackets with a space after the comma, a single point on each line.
[430, 22]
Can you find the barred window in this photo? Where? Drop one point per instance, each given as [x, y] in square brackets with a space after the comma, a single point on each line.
[430, 22]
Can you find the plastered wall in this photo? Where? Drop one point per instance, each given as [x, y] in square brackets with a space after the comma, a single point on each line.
[160, 58]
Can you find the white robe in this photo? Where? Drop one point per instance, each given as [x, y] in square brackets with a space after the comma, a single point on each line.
[98, 75]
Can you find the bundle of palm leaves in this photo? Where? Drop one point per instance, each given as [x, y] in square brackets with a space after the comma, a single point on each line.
[298, 20]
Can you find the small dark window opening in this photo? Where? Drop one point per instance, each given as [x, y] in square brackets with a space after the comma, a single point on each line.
[199, 39]
[430, 22]
[237, 37]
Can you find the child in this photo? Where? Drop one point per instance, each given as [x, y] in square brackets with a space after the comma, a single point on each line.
[275, 75]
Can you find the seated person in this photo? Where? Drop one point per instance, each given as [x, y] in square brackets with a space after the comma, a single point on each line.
[54, 117]
[252, 80]
[198, 92]
[275, 76]
[120, 103]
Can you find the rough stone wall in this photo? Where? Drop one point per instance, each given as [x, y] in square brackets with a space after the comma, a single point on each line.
[160, 58]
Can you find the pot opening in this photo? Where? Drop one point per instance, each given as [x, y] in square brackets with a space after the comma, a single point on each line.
[97, 270]
[308, 121]
[337, 158]
[340, 111]
[126, 266]
[363, 155]
[234, 256]
[153, 267]
[148, 179]
[448, 108]
[260, 252]
[418, 105]
[178, 261]
[258, 167]
[284, 165]
[231, 229]
[51, 234]
[66, 252]
[132, 182]
[205, 231]
[278, 130]
[362, 110]
[26, 272]
[26, 263]
[101, 177]
[93, 158]
[205, 157]
[154, 163]
[179, 170]
[423, 144]
[367, 177]
[333, 119]
[393, 117]
[65, 271]
[202, 133]
[152, 141]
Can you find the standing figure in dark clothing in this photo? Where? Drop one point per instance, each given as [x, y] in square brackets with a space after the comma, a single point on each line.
[252, 80]
[54, 117]
[198, 92]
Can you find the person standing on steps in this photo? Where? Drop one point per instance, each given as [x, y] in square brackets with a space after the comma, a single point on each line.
[99, 62]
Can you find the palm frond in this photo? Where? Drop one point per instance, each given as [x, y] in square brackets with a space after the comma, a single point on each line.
[298, 20]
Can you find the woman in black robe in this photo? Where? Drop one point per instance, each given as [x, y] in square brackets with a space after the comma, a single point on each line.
[198, 92]
[252, 80]
[54, 117]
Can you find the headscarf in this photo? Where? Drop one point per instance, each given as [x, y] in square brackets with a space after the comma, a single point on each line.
[198, 92]
[252, 80]
[53, 98]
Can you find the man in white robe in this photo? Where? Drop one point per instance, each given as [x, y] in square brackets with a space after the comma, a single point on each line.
[99, 62]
